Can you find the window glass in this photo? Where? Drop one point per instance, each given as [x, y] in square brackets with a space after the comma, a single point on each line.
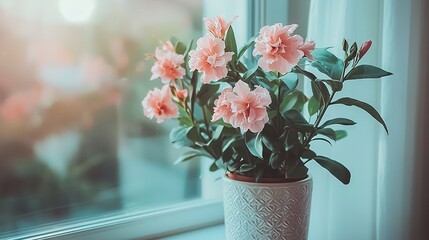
[73, 139]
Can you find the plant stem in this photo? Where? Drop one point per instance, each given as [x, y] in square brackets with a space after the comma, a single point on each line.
[206, 123]
[189, 111]
[194, 84]
[278, 98]
[180, 84]
[322, 113]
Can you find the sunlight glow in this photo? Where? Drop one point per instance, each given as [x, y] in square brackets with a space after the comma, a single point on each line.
[76, 11]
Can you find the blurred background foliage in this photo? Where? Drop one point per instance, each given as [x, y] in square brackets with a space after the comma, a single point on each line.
[72, 76]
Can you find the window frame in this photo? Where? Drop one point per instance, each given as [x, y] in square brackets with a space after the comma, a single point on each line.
[172, 219]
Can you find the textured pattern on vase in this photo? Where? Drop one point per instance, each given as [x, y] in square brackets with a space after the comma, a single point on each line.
[256, 211]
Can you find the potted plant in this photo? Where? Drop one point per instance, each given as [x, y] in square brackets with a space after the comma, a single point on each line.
[250, 118]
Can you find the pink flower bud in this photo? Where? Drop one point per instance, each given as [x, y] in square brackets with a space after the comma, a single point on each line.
[364, 48]
[167, 46]
[182, 94]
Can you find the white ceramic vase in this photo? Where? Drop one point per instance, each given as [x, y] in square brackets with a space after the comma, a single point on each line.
[267, 210]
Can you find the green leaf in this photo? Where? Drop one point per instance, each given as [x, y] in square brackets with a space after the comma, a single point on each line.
[289, 141]
[305, 73]
[271, 76]
[329, 132]
[187, 57]
[254, 143]
[292, 161]
[341, 121]
[294, 100]
[214, 147]
[230, 143]
[272, 113]
[365, 106]
[270, 137]
[184, 118]
[247, 167]
[345, 45]
[320, 92]
[317, 93]
[353, 51]
[288, 102]
[334, 84]
[250, 72]
[178, 137]
[188, 156]
[265, 83]
[193, 134]
[335, 168]
[246, 46]
[185, 121]
[305, 127]
[227, 79]
[275, 160]
[313, 106]
[340, 134]
[299, 172]
[322, 139]
[324, 91]
[233, 74]
[295, 116]
[180, 48]
[230, 43]
[213, 167]
[241, 67]
[270, 145]
[308, 154]
[206, 92]
[327, 63]
[298, 120]
[291, 80]
[218, 132]
[366, 71]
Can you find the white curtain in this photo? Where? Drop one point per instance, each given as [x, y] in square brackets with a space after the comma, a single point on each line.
[377, 203]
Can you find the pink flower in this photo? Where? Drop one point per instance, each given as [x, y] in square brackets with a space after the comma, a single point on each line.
[243, 108]
[168, 64]
[364, 48]
[21, 105]
[159, 104]
[306, 48]
[280, 51]
[210, 58]
[222, 107]
[218, 26]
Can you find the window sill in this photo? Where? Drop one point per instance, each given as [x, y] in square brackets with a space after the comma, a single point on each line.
[214, 232]
[196, 214]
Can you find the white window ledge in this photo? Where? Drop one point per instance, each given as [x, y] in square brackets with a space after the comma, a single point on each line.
[175, 219]
[214, 232]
